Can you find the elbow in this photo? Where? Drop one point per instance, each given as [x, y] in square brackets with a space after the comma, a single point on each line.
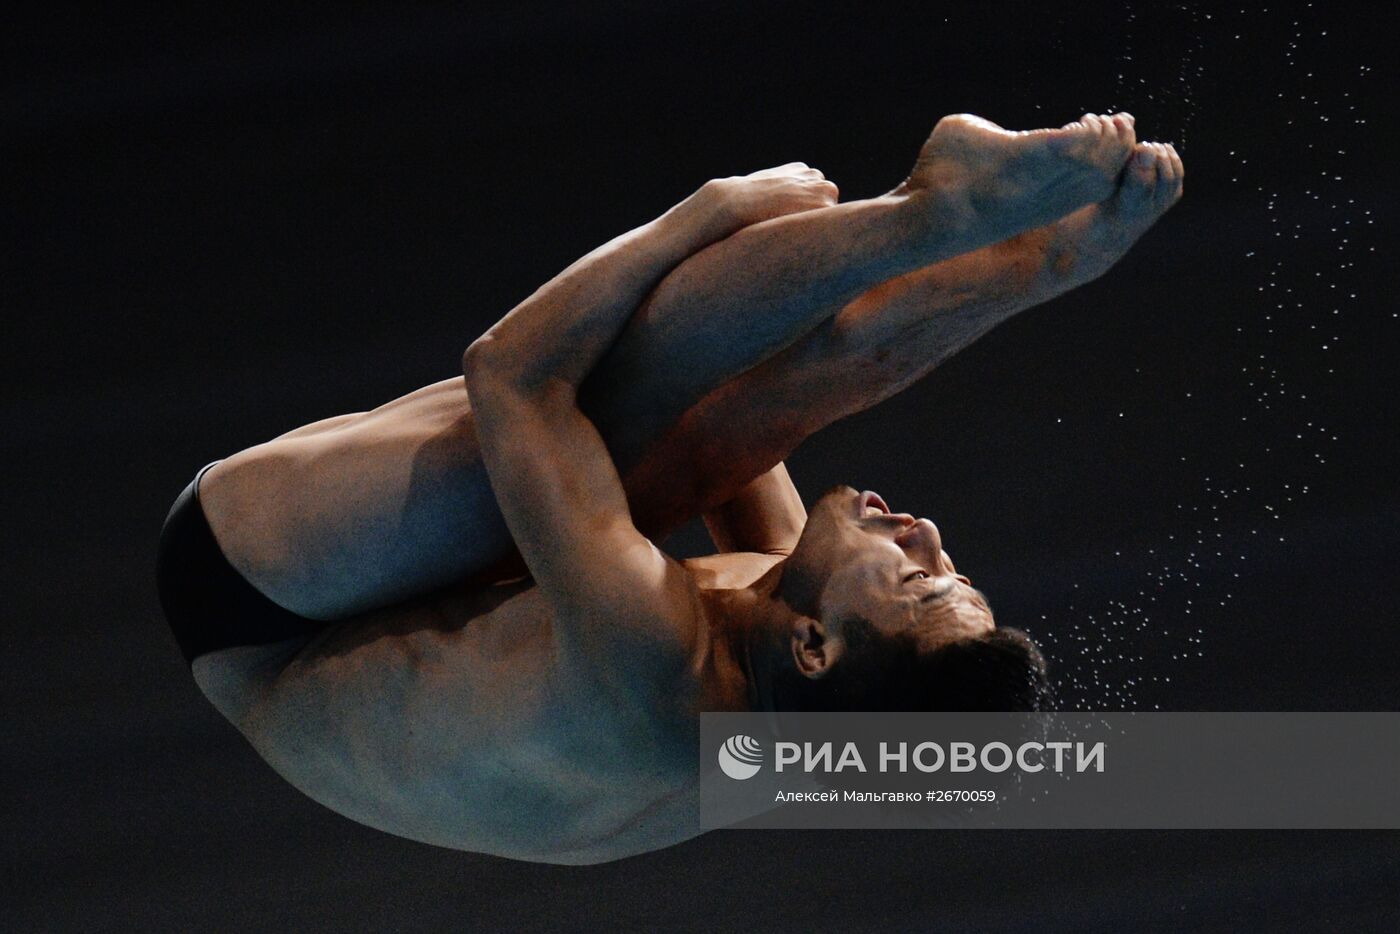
[477, 355]
[485, 362]
[496, 368]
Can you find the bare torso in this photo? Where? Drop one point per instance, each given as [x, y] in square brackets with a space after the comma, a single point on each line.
[472, 735]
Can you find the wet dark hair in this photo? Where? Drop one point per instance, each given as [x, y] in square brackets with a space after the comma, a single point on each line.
[1003, 670]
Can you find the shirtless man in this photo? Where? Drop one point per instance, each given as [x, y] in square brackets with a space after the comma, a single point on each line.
[445, 618]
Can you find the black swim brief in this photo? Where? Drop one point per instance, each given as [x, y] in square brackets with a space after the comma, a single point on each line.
[208, 604]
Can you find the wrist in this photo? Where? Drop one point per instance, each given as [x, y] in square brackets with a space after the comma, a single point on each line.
[707, 216]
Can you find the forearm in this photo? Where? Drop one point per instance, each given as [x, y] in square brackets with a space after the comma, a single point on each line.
[766, 516]
[563, 329]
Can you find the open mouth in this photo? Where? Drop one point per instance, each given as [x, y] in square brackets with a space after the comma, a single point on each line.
[872, 505]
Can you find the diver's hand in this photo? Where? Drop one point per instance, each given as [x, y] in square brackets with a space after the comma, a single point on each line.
[742, 200]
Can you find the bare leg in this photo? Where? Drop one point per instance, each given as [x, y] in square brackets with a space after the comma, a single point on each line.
[396, 501]
[742, 300]
[883, 342]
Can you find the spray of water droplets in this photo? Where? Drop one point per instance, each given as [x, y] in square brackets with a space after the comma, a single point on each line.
[1303, 292]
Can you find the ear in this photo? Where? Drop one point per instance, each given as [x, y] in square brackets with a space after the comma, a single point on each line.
[814, 648]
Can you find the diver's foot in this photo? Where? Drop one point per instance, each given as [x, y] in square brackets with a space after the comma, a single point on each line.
[1089, 241]
[1005, 182]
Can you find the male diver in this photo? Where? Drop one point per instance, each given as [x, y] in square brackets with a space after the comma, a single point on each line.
[446, 618]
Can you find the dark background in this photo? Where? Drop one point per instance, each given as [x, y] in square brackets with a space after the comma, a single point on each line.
[222, 225]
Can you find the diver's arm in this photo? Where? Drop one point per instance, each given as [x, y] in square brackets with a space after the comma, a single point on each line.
[766, 516]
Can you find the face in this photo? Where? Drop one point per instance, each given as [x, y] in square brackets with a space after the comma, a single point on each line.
[856, 558]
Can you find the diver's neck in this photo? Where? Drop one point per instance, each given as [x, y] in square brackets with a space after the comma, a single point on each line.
[745, 627]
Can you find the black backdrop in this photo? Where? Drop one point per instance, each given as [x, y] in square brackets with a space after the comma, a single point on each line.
[1181, 478]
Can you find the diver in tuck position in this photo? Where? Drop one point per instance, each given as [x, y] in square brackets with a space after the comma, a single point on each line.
[445, 618]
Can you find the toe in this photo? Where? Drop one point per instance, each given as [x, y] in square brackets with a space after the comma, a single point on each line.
[1145, 161]
[1178, 173]
[1139, 176]
[1164, 164]
[1168, 182]
[1123, 126]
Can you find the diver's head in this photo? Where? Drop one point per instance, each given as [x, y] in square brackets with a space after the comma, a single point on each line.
[856, 558]
[884, 621]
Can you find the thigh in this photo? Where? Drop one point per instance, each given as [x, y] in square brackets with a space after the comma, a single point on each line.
[368, 510]
[361, 511]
